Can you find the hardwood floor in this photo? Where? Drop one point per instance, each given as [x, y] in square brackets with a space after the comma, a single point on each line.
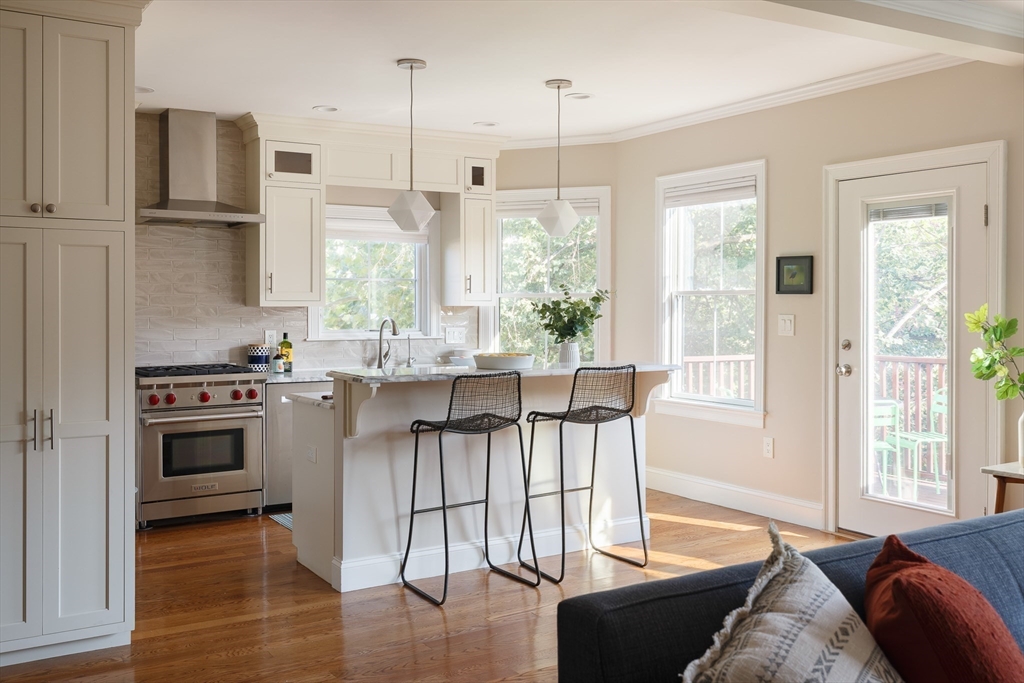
[226, 601]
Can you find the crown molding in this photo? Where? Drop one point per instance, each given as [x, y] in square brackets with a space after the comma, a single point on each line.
[255, 119]
[831, 86]
[118, 12]
[982, 17]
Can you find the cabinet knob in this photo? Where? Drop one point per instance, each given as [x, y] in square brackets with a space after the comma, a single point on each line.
[51, 208]
[35, 208]
[469, 188]
[270, 175]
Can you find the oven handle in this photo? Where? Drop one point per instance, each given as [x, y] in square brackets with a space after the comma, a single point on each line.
[147, 421]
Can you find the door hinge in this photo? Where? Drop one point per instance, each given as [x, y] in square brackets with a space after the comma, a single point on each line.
[986, 215]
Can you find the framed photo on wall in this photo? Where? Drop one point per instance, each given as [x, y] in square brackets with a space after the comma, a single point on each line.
[794, 275]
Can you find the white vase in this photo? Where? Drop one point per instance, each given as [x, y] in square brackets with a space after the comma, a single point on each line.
[569, 352]
[1020, 440]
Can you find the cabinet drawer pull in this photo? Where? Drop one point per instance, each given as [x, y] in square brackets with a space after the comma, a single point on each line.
[35, 208]
[271, 283]
[469, 284]
[51, 208]
[150, 421]
[52, 429]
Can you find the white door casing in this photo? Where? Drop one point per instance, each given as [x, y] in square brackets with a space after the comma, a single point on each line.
[990, 284]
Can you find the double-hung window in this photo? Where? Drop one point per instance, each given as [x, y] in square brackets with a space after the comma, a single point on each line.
[533, 267]
[374, 270]
[712, 239]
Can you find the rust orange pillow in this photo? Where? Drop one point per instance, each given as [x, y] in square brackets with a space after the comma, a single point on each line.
[933, 625]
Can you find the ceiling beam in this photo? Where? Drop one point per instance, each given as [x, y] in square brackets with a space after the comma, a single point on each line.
[876, 22]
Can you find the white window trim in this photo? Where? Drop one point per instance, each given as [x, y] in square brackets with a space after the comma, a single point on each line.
[603, 195]
[711, 410]
[429, 266]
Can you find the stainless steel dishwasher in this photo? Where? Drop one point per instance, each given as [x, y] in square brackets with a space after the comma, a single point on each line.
[278, 420]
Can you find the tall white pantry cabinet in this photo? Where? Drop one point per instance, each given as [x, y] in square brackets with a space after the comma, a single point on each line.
[67, 245]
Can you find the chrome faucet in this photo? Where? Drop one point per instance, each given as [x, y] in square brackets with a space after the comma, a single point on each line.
[384, 356]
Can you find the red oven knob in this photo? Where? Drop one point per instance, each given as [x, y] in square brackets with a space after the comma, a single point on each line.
[204, 397]
[153, 400]
[252, 394]
[170, 399]
[236, 395]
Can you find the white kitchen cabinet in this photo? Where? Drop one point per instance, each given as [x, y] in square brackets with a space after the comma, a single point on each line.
[479, 176]
[63, 531]
[293, 162]
[62, 122]
[287, 255]
[468, 251]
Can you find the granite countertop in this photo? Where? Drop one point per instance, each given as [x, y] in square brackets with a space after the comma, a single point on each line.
[312, 399]
[298, 376]
[440, 373]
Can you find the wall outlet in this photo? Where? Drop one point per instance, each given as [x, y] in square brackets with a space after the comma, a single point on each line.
[787, 325]
[454, 335]
[270, 338]
[769, 447]
[311, 453]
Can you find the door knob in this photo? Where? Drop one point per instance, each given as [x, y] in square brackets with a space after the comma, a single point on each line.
[844, 370]
[51, 208]
[35, 208]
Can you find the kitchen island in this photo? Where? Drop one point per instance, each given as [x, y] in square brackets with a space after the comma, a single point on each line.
[352, 475]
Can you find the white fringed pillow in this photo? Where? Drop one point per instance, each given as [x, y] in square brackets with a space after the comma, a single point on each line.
[794, 626]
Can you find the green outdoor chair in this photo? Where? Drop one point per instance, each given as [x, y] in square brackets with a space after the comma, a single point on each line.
[887, 416]
[913, 441]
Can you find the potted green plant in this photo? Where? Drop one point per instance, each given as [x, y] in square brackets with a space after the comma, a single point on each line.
[996, 361]
[567, 319]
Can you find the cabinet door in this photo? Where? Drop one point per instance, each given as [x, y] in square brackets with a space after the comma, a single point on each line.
[21, 397]
[293, 162]
[21, 113]
[83, 429]
[295, 247]
[83, 120]
[478, 176]
[478, 250]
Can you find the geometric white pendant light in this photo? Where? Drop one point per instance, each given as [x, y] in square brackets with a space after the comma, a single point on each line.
[558, 217]
[411, 211]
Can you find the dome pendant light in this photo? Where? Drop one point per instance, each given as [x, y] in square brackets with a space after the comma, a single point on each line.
[411, 211]
[558, 217]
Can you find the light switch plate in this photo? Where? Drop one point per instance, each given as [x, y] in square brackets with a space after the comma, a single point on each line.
[270, 338]
[454, 335]
[787, 325]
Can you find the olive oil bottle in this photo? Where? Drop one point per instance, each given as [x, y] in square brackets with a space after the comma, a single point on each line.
[284, 347]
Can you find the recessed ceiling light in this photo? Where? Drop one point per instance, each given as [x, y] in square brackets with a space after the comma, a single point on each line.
[485, 124]
[143, 90]
[578, 95]
[326, 108]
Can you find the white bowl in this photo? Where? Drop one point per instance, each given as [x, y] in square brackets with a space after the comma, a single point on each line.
[461, 360]
[504, 361]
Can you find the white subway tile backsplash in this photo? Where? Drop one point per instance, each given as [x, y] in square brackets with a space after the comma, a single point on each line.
[171, 346]
[197, 333]
[154, 335]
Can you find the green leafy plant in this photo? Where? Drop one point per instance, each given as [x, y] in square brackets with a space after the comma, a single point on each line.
[996, 359]
[567, 319]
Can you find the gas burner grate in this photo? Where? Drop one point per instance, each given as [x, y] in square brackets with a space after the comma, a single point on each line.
[190, 370]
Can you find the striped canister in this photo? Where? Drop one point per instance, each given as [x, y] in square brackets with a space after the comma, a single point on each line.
[259, 357]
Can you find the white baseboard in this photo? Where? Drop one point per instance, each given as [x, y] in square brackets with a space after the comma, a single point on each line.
[382, 570]
[69, 648]
[764, 503]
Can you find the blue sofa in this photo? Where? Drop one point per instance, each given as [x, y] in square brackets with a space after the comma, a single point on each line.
[650, 631]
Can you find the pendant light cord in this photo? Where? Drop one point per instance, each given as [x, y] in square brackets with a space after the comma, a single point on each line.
[558, 149]
[411, 69]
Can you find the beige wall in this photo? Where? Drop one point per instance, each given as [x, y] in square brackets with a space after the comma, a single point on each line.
[966, 104]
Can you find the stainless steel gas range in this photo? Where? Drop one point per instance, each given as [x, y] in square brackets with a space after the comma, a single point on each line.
[199, 440]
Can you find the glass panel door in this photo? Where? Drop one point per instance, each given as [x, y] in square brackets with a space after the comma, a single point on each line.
[908, 456]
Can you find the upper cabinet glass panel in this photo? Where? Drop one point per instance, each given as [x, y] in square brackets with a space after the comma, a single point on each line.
[293, 162]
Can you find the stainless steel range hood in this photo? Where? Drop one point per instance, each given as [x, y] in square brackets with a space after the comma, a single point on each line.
[188, 175]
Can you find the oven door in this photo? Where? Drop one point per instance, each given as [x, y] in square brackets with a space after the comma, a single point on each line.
[187, 454]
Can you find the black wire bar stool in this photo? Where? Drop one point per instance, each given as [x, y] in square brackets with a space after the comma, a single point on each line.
[479, 404]
[599, 395]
